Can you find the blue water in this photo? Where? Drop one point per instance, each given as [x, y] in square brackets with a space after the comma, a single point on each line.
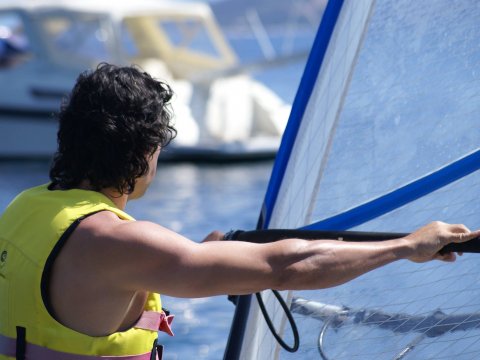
[193, 200]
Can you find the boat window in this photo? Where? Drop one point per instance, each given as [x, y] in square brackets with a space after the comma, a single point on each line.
[14, 44]
[83, 37]
[191, 34]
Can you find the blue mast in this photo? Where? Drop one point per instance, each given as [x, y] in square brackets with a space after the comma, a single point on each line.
[314, 63]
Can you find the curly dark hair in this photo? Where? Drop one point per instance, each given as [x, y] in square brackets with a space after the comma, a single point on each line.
[114, 118]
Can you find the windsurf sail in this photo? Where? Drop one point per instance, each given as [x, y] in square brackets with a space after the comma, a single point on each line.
[383, 137]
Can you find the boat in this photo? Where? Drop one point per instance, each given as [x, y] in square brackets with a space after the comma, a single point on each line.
[221, 112]
[382, 137]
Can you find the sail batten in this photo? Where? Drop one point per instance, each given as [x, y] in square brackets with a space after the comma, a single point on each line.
[401, 196]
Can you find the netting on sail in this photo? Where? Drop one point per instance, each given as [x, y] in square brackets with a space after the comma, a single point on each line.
[404, 310]
[397, 98]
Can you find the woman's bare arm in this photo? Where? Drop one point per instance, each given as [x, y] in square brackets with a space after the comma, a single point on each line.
[143, 255]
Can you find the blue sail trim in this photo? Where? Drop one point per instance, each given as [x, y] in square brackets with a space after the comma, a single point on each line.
[401, 196]
[307, 83]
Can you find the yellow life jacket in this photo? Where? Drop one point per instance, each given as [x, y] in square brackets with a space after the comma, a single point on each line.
[33, 228]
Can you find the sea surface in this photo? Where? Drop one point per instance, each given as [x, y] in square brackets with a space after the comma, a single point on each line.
[194, 199]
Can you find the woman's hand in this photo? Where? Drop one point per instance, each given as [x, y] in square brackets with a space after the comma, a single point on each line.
[430, 239]
[214, 236]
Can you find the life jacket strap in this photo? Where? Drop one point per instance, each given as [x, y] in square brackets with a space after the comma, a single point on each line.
[150, 320]
[21, 343]
[8, 346]
[153, 320]
[35, 352]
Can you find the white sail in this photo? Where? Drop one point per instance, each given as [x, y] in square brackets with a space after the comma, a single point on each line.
[383, 136]
[289, 212]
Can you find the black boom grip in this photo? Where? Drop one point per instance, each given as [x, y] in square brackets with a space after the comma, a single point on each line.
[272, 235]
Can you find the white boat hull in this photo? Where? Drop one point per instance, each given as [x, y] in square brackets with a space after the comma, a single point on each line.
[219, 116]
[27, 136]
[34, 136]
